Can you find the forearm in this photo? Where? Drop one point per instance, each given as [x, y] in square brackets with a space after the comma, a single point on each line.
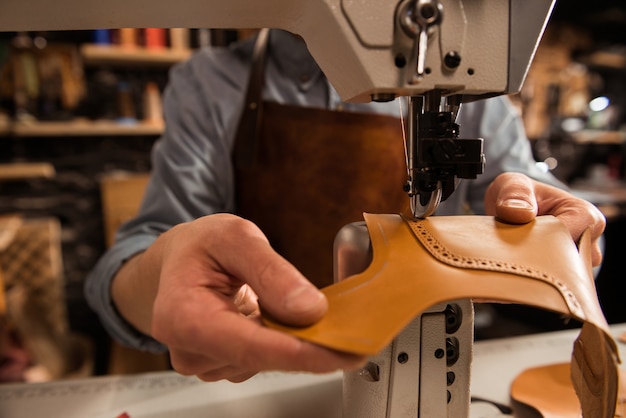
[135, 286]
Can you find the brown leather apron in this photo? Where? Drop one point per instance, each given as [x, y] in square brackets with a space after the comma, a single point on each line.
[304, 173]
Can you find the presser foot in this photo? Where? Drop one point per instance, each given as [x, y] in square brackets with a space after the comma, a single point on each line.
[425, 204]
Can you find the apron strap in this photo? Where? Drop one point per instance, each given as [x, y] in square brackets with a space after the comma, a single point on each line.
[245, 148]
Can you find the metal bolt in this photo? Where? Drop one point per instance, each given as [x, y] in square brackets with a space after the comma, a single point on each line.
[452, 59]
[371, 372]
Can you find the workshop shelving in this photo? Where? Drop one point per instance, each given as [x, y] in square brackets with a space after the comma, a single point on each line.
[94, 55]
[598, 136]
[137, 58]
[84, 128]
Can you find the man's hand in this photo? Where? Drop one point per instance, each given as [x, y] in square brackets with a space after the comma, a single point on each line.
[515, 198]
[201, 280]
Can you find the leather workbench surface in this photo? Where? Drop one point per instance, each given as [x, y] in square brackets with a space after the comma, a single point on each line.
[268, 395]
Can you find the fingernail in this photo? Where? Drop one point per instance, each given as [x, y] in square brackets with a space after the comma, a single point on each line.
[517, 204]
[304, 299]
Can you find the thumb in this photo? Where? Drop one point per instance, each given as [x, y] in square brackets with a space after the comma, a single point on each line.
[511, 198]
[284, 293]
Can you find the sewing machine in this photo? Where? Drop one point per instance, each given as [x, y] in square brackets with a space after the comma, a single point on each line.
[425, 371]
[439, 53]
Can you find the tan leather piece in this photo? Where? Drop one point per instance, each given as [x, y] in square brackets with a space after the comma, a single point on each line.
[405, 275]
[419, 263]
[594, 372]
[549, 390]
[620, 407]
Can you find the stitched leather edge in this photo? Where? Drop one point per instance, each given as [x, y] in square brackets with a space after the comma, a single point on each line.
[443, 254]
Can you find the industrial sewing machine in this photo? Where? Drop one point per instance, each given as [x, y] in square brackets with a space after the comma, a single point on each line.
[439, 53]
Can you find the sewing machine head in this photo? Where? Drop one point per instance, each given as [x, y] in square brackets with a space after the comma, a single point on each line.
[438, 49]
[368, 50]
[440, 53]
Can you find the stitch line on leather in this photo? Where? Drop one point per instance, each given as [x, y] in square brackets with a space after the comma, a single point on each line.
[443, 254]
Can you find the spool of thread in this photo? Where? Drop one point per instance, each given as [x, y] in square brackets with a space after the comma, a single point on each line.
[204, 38]
[101, 36]
[154, 38]
[128, 38]
[125, 105]
[152, 110]
[179, 39]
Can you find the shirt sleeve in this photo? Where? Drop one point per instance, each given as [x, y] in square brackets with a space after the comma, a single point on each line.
[191, 174]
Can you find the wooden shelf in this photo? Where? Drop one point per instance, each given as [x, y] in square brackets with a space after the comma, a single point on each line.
[131, 57]
[15, 171]
[597, 136]
[614, 60]
[85, 128]
[94, 55]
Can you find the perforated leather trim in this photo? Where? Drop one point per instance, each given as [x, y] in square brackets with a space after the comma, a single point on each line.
[443, 254]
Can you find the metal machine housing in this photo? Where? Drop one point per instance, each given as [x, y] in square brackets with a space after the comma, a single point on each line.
[425, 372]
